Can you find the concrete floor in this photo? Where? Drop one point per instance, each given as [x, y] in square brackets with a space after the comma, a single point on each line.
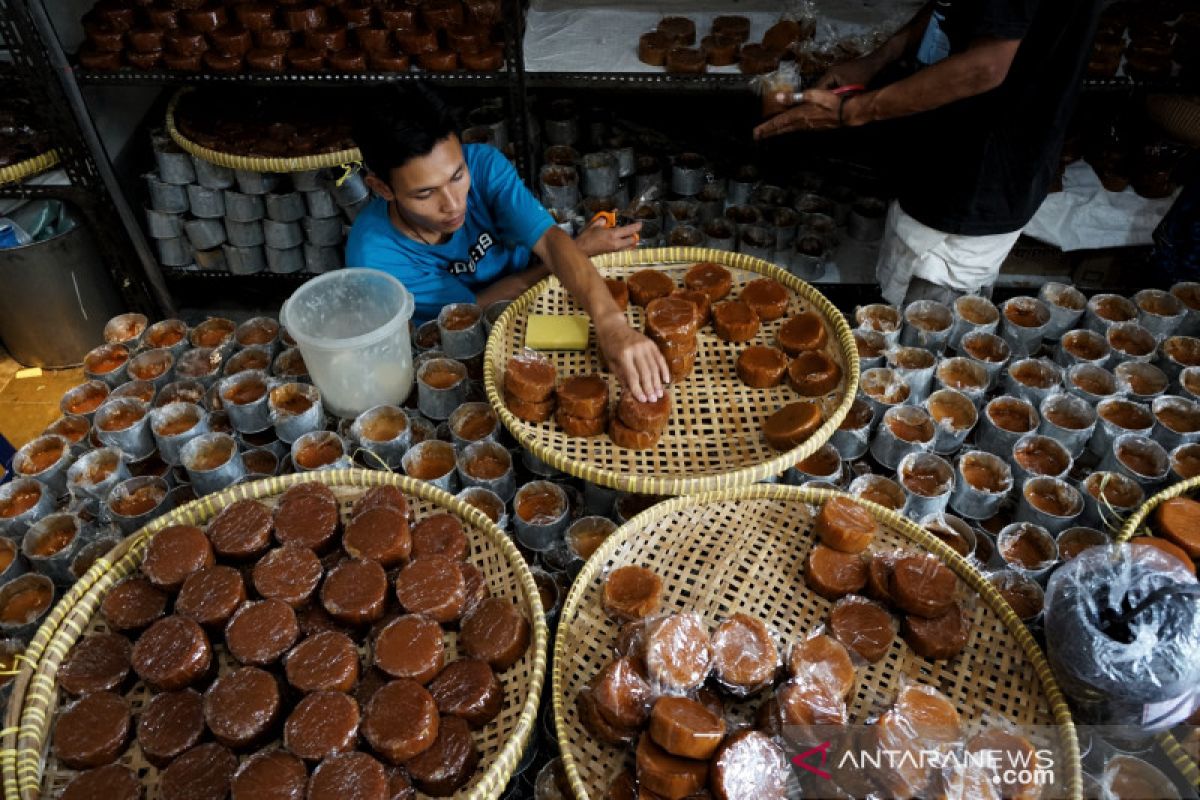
[28, 405]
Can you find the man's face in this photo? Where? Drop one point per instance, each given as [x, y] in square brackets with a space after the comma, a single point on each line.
[431, 190]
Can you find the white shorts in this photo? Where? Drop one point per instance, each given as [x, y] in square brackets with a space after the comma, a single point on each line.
[911, 249]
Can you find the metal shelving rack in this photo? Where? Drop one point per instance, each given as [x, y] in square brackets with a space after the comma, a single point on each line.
[28, 64]
[74, 101]
[95, 188]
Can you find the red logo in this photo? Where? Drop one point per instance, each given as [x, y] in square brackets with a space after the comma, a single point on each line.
[822, 750]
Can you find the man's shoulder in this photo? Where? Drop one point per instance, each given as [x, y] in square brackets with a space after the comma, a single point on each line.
[372, 232]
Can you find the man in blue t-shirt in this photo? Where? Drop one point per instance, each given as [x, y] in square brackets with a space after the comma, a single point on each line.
[455, 224]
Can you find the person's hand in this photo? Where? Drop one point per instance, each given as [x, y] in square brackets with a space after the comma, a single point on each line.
[817, 112]
[635, 360]
[596, 239]
[860, 70]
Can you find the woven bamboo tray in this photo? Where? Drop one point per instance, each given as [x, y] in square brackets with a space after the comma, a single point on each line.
[29, 767]
[714, 439]
[743, 550]
[15, 173]
[1184, 761]
[256, 164]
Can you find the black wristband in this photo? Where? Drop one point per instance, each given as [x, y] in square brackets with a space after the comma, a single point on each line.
[842, 110]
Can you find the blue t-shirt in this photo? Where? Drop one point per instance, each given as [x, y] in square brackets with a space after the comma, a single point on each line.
[504, 222]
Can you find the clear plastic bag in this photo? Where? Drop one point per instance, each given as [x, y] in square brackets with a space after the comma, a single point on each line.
[1112, 663]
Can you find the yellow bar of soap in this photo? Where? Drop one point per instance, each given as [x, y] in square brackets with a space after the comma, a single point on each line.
[557, 332]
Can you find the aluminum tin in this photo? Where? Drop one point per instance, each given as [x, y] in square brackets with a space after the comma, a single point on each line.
[1102, 513]
[799, 474]
[245, 260]
[1146, 375]
[1122, 305]
[948, 438]
[285, 262]
[465, 342]
[488, 502]
[1093, 377]
[204, 234]
[252, 416]
[1083, 342]
[320, 204]
[319, 438]
[1161, 325]
[282, 235]
[935, 339]
[210, 175]
[283, 208]
[244, 234]
[290, 426]
[206, 203]
[538, 536]
[1068, 495]
[209, 446]
[129, 524]
[1145, 448]
[1106, 431]
[24, 631]
[1021, 474]
[1075, 439]
[448, 481]
[1066, 304]
[881, 487]
[967, 309]
[1049, 383]
[388, 452]
[14, 527]
[170, 446]
[883, 319]
[127, 329]
[687, 174]
[974, 502]
[915, 366]
[1048, 545]
[982, 342]
[916, 504]
[437, 403]
[1024, 339]
[887, 448]
[114, 377]
[1188, 412]
[852, 443]
[164, 196]
[164, 224]
[252, 182]
[505, 485]
[322, 232]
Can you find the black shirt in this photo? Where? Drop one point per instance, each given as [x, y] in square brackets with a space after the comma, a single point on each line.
[988, 160]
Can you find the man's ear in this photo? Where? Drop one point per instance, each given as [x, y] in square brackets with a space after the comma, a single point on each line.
[380, 188]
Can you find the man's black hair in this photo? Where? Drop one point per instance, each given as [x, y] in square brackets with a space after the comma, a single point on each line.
[400, 124]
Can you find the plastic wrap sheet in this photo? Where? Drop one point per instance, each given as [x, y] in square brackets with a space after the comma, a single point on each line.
[1156, 659]
[1084, 215]
[600, 36]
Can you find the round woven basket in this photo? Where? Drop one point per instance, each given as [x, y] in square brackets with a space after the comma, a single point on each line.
[29, 767]
[714, 439]
[14, 173]
[743, 550]
[1136, 526]
[256, 164]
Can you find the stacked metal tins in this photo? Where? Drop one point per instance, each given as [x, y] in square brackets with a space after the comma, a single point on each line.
[1022, 434]
[688, 199]
[213, 218]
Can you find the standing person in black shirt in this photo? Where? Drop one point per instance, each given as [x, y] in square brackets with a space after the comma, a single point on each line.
[998, 83]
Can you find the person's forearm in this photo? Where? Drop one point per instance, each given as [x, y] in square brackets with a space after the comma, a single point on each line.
[903, 42]
[511, 287]
[567, 263]
[980, 69]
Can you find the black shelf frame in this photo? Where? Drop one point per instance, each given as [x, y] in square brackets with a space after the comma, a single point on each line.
[128, 77]
[36, 69]
[95, 188]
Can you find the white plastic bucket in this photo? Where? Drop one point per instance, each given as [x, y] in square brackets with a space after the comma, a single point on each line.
[352, 328]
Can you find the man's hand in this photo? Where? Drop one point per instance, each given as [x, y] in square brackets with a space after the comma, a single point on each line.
[860, 70]
[634, 359]
[817, 112]
[596, 239]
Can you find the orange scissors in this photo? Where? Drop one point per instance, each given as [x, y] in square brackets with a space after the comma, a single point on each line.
[616, 219]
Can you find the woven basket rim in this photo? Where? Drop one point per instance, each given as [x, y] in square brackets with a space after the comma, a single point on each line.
[254, 163]
[897, 522]
[21, 170]
[28, 721]
[1183, 762]
[842, 336]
